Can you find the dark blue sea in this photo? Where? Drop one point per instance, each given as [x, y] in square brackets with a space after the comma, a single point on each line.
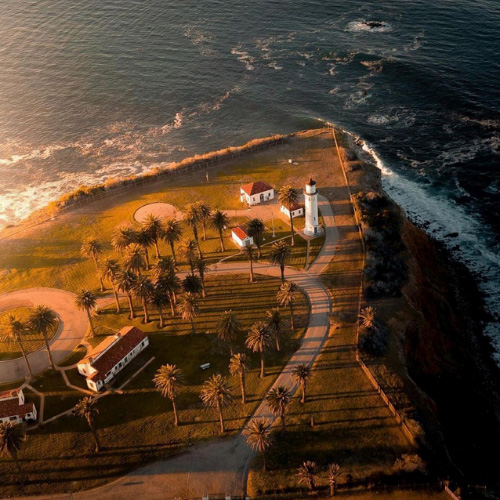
[99, 88]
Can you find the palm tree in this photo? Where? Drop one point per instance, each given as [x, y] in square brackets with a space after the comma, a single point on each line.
[259, 437]
[216, 393]
[110, 270]
[187, 251]
[168, 381]
[86, 409]
[172, 232]
[145, 240]
[41, 320]
[192, 217]
[277, 400]
[154, 226]
[367, 318]
[143, 290]
[258, 340]
[123, 237]
[286, 297]
[301, 374]
[125, 281]
[205, 214]
[170, 284]
[188, 308]
[202, 267]
[256, 230]
[276, 324]
[134, 259]
[333, 473]
[192, 284]
[278, 256]
[164, 265]
[12, 437]
[91, 249]
[86, 301]
[238, 365]
[248, 251]
[160, 300]
[228, 328]
[15, 331]
[307, 474]
[220, 221]
[288, 197]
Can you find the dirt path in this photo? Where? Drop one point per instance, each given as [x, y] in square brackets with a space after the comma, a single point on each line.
[73, 325]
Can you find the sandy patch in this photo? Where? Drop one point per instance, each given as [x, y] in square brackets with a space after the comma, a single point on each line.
[162, 210]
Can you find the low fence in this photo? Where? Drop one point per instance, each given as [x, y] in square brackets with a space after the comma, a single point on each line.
[399, 418]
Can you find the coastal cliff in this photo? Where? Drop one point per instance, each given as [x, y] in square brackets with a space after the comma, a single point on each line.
[435, 353]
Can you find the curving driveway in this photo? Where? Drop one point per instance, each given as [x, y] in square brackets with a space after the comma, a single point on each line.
[73, 326]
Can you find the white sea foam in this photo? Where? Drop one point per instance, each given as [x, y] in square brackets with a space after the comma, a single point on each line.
[244, 57]
[443, 216]
[41, 154]
[363, 25]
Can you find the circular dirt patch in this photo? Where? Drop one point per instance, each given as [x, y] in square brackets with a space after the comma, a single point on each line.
[162, 210]
[32, 341]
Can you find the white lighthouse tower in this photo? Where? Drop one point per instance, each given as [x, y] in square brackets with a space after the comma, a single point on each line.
[312, 227]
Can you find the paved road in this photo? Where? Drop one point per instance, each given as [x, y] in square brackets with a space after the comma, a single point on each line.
[221, 466]
[73, 325]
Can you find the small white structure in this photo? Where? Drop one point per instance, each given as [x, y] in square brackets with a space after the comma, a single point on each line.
[114, 353]
[240, 236]
[312, 227]
[256, 192]
[297, 210]
[13, 407]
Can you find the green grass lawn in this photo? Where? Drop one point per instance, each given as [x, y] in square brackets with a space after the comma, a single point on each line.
[137, 426]
[9, 348]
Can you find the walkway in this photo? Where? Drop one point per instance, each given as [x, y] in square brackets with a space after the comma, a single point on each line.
[73, 326]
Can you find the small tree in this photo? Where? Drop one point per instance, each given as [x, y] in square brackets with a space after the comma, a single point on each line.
[154, 226]
[192, 216]
[12, 437]
[125, 282]
[192, 284]
[160, 300]
[86, 409]
[277, 400]
[333, 474]
[134, 260]
[220, 221]
[87, 301]
[259, 437]
[367, 318]
[145, 240]
[276, 324]
[92, 249]
[143, 290]
[288, 197]
[216, 393]
[15, 332]
[279, 255]
[286, 297]
[301, 374]
[122, 238]
[258, 340]
[170, 284]
[228, 328]
[256, 230]
[187, 251]
[306, 473]
[110, 270]
[248, 251]
[172, 232]
[238, 365]
[188, 308]
[168, 381]
[164, 265]
[41, 320]
[205, 214]
[202, 268]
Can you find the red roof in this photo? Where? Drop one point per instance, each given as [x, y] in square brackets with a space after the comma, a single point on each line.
[295, 206]
[130, 337]
[256, 187]
[11, 408]
[240, 232]
[12, 393]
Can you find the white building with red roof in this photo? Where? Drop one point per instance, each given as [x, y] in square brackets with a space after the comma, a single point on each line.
[256, 192]
[297, 210]
[14, 408]
[107, 359]
[241, 237]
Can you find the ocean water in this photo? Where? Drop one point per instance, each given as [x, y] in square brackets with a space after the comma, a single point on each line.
[96, 89]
